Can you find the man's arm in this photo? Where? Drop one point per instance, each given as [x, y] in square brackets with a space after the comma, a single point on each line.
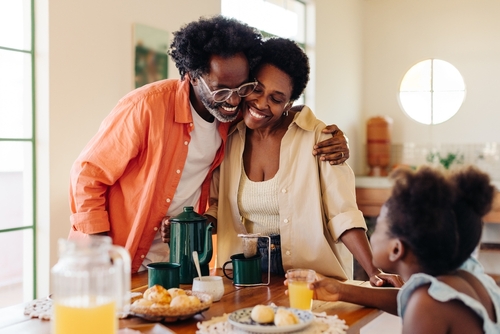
[335, 150]
[101, 163]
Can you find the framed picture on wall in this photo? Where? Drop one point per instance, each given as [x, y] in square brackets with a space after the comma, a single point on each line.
[151, 59]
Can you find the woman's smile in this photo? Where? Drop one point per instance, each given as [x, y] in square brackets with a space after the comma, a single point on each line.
[255, 114]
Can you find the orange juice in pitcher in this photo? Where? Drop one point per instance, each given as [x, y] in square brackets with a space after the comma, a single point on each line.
[82, 320]
[90, 286]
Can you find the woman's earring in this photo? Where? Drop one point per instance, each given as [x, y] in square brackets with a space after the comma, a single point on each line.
[287, 108]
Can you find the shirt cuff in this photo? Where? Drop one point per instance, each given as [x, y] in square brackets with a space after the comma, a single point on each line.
[346, 221]
[90, 222]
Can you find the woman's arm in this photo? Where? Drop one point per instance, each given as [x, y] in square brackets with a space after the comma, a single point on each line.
[346, 222]
[357, 242]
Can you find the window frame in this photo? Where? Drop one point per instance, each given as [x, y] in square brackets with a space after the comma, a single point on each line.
[31, 141]
[431, 93]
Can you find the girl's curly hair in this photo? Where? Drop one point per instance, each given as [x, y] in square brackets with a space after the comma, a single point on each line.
[289, 57]
[439, 216]
[196, 42]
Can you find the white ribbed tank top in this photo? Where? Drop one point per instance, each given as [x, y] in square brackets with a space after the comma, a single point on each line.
[258, 204]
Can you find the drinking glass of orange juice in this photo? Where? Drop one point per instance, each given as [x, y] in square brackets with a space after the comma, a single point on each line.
[298, 288]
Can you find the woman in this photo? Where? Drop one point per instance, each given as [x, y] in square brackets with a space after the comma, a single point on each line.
[426, 232]
[271, 184]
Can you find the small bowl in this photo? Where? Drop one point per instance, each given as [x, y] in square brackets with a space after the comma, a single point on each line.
[212, 285]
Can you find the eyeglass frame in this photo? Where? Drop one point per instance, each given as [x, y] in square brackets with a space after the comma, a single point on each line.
[232, 90]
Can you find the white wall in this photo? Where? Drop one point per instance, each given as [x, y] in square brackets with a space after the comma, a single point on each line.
[466, 33]
[339, 68]
[84, 66]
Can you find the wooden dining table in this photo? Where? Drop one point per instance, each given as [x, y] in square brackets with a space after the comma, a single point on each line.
[13, 320]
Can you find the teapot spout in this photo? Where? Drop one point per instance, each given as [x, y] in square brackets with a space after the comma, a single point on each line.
[206, 255]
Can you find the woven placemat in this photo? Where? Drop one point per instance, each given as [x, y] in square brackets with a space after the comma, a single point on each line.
[39, 308]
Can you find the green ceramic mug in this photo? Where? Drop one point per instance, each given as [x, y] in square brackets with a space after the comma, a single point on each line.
[165, 274]
[246, 271]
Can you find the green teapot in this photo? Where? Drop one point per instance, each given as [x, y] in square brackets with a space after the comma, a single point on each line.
[190, 232]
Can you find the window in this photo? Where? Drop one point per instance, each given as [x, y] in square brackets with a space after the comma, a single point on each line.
[283, 18]
[17, 155]
[432, 91]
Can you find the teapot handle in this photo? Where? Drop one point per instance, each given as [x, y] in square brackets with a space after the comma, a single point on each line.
[122, 264]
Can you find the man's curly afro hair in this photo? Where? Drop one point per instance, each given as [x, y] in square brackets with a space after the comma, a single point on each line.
[196, 42]
[289, 57]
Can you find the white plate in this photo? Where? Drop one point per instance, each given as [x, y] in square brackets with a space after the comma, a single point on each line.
[242, 320]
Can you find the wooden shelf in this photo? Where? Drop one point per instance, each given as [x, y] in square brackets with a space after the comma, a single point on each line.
[370, 200]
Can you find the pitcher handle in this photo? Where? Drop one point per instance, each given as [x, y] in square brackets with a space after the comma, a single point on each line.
[122, 263]
[224, 270]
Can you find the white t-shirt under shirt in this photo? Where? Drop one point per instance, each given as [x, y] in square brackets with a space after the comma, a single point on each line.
[205, 141]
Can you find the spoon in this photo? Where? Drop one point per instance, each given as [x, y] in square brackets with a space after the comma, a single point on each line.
[197, 263]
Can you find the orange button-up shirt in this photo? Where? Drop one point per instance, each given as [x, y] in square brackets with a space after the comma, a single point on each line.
[125, 178]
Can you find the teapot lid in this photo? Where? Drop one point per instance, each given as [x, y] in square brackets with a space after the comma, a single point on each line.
[188, 215]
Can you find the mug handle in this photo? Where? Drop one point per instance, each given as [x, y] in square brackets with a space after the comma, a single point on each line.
[224, 270]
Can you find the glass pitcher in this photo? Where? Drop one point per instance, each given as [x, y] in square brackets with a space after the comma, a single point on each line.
[90, 286]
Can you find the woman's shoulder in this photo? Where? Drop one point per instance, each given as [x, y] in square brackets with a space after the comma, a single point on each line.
[307, 120]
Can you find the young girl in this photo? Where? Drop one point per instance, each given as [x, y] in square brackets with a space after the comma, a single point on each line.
[426, 233]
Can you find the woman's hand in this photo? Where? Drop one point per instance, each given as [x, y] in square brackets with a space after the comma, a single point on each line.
[384, 279]
[334, 150]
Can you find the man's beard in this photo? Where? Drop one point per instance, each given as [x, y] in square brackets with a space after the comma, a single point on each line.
[213, 108]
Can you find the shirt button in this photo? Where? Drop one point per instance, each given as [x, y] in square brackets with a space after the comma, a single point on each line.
[287, 253]
[142, 256]
[156, 228]
[168, 200]
[285, 221]
[190, 124]
[186, 142]
[178, 171]
[283, 191]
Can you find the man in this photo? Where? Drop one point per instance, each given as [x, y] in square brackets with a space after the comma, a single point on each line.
[155, 152]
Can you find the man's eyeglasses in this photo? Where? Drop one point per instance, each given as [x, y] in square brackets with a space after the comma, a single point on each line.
[222, 95]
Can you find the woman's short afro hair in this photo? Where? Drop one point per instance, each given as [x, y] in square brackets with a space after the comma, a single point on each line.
[289, 57]
[196, 42]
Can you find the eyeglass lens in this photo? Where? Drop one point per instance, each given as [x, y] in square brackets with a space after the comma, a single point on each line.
[225, 93]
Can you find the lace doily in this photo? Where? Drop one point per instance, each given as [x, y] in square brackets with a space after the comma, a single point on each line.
[39, 308]
[322, 324]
